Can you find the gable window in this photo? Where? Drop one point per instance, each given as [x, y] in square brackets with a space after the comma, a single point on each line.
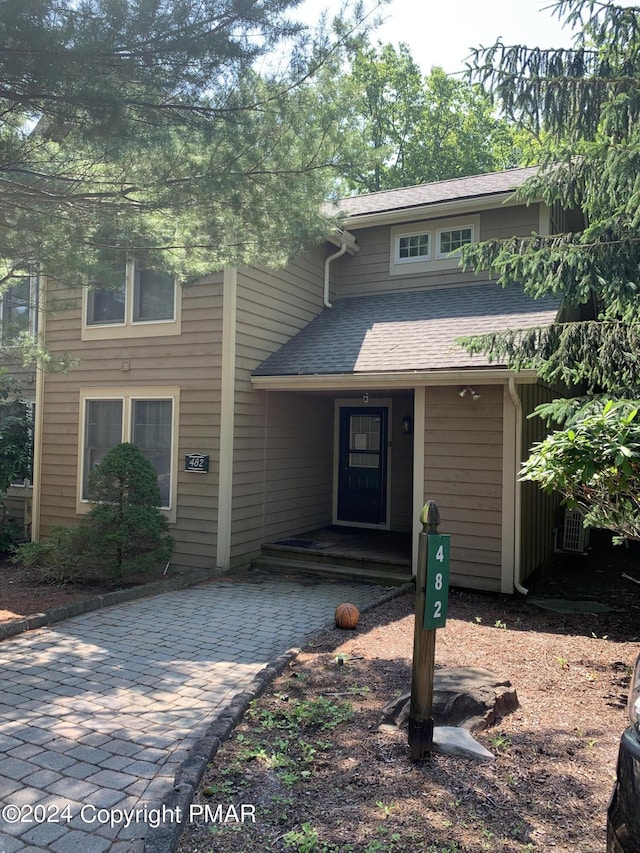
[146, 303]
[453, 239]
[414, 246]
[17, 306]
[431, 246]
[144, 419]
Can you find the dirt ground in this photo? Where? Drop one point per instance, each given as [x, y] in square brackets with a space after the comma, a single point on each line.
[310, 761]
[310, 766]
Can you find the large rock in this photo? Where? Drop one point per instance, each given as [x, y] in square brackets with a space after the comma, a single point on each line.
[464, 696]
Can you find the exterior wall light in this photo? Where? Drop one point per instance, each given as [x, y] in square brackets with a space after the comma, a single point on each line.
[475, 395]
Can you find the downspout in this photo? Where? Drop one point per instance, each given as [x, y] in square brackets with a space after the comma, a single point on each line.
[38, 424]
[517, 512]
[327, 264]
[227, 417]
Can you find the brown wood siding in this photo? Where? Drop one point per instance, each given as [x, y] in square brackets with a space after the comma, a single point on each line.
[368, 271]
[190, 361]
[463, 475]
[283, 443]
[401, 469]
[541, 513]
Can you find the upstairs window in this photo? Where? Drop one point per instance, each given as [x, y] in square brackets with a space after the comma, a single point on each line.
[146, 303]
[414, 246]
[453, 239]
[431, 246]
[106, 305]
[153, 296]
[17, 305]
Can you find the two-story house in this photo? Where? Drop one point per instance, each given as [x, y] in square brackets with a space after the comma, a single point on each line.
[328, 394]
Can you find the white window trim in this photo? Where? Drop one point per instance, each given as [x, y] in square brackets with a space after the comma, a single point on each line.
[420, 232]
[128, 395]
[436, 262]
[456, 252]
[131, 328]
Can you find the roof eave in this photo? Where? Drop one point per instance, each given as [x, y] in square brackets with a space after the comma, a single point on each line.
[401, 379]
[432, 210]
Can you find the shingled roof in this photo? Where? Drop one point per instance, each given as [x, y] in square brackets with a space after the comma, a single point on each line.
[457, 189]
[409, 331]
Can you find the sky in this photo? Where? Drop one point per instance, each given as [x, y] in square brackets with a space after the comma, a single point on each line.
[441, 32]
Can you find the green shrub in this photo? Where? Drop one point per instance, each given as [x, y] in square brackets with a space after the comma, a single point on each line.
[57, 559]
[126, 532]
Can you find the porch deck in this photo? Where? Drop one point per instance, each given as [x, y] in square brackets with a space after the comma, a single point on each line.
[357, 553]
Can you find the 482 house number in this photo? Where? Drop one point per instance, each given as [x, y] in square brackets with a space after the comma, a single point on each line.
[437, 586]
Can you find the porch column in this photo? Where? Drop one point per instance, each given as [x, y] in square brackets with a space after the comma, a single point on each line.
[511, 452]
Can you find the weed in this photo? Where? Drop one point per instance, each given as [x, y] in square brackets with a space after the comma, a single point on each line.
[563, 662]
[307, 840]
[500, 624]
[289, 778]
[500, 741]
[301, 713]
[224, 789]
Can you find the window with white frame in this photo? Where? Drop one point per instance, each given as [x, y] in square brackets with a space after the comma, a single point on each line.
[146, 420]
[145, 300]
[453, 239]
[432, 246]
[412, 246]
[17, 307]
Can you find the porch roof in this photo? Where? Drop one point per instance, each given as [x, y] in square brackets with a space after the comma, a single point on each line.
[410, 331]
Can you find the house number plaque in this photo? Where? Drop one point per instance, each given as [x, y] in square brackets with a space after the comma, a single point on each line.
[197, 462]
[437, 586]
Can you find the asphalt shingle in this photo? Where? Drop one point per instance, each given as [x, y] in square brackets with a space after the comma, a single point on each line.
[406, 331]
[438, 192]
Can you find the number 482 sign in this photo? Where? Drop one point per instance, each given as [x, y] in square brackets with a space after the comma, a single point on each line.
[437, 591]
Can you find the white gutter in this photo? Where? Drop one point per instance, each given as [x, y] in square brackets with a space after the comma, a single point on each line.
[517, 514]
[327, 264]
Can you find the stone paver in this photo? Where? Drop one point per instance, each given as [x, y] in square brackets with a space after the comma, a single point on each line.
[99, 713]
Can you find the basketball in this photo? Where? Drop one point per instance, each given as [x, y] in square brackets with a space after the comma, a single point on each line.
[347, 615]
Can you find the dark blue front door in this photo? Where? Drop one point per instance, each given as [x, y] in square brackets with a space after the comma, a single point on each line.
[362, 477]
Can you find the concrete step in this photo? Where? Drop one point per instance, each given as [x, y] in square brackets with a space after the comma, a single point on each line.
[354, 568]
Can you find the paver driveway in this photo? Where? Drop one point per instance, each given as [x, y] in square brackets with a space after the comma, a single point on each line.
[97, 713]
